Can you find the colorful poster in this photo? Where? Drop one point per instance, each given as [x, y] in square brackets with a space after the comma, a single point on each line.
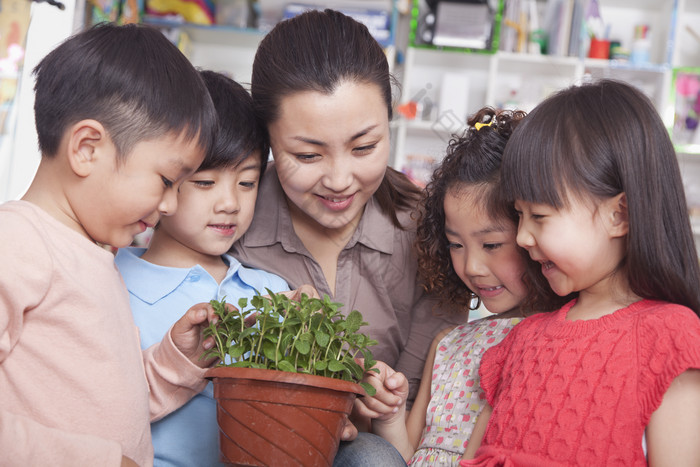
[14, 22]
[685, 96]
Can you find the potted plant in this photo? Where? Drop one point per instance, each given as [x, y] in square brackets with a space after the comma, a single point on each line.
[287, 378]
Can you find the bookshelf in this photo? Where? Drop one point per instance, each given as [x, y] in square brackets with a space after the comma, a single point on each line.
[508, 79]
[231, 48]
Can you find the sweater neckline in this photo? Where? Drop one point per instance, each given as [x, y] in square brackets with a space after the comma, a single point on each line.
[561, 326]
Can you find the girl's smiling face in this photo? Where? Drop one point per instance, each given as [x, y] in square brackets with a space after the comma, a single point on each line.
[331, 152]
[580, 246]
[483, 251]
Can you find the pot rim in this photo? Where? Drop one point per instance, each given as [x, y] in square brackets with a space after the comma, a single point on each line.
[284, 377]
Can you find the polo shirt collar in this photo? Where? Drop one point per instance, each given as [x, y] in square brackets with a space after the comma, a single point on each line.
[162, 280]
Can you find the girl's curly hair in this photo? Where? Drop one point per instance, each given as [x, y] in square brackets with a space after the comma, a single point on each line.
[472, 159]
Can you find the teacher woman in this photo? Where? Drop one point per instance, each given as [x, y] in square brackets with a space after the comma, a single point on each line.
[330, 212]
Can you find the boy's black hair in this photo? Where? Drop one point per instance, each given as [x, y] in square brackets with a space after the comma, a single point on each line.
[131, 79]
[239, 134]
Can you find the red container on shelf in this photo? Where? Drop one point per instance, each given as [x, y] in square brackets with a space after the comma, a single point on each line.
[599, 49]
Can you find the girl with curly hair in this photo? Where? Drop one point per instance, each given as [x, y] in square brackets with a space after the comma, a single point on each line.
[467, 255]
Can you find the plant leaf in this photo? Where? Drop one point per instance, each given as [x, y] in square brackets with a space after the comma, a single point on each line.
[353, 322]
[286, 366]
[320, 365]
[270, 351]
[303, 343]
[322, 339]
[335, 366]
[369, 389]
[236, 351]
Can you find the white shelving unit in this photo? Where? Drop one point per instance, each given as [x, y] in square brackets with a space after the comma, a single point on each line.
[521, 80]
[497, 80]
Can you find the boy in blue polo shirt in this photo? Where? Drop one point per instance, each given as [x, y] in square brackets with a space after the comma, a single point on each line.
[186, 260]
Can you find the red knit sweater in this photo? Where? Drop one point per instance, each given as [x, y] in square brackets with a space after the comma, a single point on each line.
[582, 392]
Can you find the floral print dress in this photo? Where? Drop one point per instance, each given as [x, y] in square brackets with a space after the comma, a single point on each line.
[456, 396]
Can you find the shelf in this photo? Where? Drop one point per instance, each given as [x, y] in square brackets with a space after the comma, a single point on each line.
[625, 65]
[422, 126]
[690, 149]
[536, 59]
[652, 5]
[9, 74]
[223, 28]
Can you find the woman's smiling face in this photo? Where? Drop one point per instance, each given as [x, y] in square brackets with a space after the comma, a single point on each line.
[331, 152]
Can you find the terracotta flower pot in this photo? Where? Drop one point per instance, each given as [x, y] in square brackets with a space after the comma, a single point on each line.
[269, 417]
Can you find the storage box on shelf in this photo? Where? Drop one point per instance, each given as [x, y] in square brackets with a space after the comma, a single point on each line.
[230, 46]
[519, 80]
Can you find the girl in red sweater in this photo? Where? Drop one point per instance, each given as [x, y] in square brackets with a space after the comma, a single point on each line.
[596, 184]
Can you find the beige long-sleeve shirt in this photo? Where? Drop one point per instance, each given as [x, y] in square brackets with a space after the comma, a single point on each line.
[376, 275]
[75, 388]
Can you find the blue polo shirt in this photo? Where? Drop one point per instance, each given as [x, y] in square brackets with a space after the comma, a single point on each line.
[159, 296]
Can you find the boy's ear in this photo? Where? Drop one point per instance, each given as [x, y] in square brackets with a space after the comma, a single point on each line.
[618, 215]
[85, 140]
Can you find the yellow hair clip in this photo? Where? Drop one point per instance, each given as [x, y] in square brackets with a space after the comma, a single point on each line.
[479, 125]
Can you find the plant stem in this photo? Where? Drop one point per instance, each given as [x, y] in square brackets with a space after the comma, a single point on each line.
[279, 339]
[260, 340]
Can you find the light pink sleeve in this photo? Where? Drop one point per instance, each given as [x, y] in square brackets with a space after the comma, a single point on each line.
[172, 378]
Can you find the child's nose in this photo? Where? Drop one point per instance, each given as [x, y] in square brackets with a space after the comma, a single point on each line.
[524, 238]
[228, 202]
[473, 265]
[168, 205]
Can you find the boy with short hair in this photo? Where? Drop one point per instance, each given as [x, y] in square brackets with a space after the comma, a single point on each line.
[187, 261]
[123, 118]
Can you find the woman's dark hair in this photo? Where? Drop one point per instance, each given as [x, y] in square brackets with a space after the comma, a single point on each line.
[318, 51]
[596, 141]
[131, 79]
[238, 133]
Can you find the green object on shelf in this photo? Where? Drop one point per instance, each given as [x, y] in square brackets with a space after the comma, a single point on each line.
[424, 23]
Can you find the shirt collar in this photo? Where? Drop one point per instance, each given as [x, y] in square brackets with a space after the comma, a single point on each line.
[162, 280]
[272, 216]
[273, 223]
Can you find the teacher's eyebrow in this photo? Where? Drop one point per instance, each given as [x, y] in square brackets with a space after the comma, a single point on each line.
[361, 133]
[317, 142]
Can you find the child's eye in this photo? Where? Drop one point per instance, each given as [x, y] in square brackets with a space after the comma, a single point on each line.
[166, 182]
[203, 183]
[492, 246]
[248, 184]
[453, 245]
